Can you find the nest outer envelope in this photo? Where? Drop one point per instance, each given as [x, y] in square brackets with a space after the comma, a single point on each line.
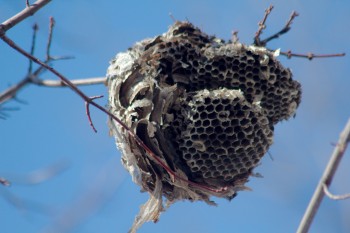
[205, 107]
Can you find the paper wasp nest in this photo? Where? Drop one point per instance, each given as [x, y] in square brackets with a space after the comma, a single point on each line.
[206, 108]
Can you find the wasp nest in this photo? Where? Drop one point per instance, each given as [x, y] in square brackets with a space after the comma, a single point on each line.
[205, 108]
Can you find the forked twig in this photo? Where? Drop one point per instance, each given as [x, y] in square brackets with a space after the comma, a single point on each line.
[335, 197]
[326, 179]
[87, 106]
[284, 30]
[33, 77]
[262, 26]
[28, 11]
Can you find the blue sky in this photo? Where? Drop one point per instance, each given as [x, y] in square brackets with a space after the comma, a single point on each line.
[95, 193]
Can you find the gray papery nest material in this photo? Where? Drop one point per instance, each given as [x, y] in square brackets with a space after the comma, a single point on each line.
[206, 108]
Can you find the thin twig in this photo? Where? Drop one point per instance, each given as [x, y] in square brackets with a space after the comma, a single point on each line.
[35, 30]
[49, 39]
[28, 11]
[326, 179]
[284, 30]
[335, 197]
[262, 25]
[11, 92]
[87, 106]
[27, 3]
[310, 56]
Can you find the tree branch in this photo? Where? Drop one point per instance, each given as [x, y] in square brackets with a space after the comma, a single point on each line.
[76, 82]
[310, 56]
[11, 92]
[28, 11]
[326, 179]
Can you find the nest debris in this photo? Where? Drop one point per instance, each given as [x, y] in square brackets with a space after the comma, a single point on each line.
[205, 107]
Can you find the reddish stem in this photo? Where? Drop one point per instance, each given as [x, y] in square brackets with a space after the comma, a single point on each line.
[310, 56]
[262, 25]
[87, 106]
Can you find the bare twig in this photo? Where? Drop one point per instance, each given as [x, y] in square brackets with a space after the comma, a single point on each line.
[335, 197]
[326, 179]
[284, 30]
[28, 11]
[33, 77]
[35, 30]
[11, 92]
[87, 106]
[310, 56]
[27, 3]
[77, 82]
[49, 39]
[262, 26]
